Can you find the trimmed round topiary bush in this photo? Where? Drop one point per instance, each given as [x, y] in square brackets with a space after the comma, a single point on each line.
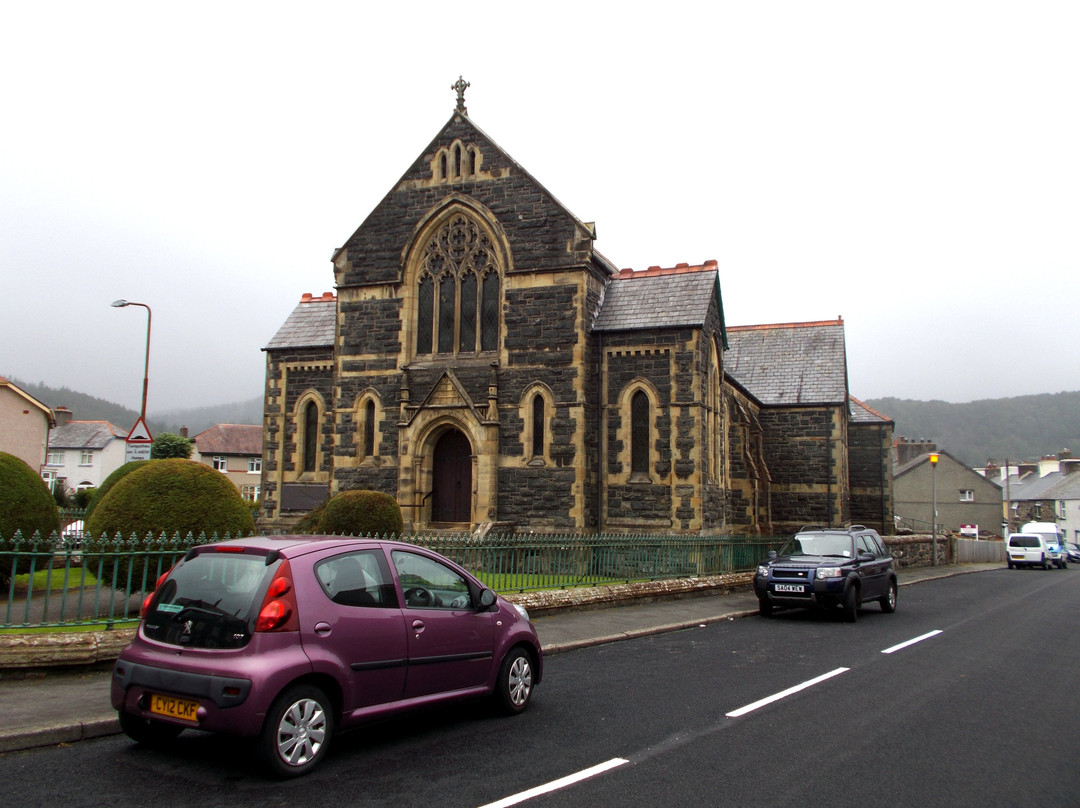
[108, 483]
[26, 506]
[167, 497]
[360, 513]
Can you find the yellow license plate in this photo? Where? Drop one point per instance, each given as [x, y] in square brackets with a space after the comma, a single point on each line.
[173, 707]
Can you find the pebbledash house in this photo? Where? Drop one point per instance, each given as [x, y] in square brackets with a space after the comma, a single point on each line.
[485, 365]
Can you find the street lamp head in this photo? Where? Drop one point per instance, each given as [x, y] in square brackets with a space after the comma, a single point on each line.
[119, 304]
[934, 458]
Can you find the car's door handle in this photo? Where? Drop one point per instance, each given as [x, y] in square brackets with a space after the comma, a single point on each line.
[323, 629]
[418, 626]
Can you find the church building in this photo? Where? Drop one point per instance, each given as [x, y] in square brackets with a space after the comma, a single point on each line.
[481, 362]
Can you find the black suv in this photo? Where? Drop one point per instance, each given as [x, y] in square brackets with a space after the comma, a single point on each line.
[828, 567]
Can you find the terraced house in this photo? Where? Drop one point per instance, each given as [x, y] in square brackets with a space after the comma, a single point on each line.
[483, 363]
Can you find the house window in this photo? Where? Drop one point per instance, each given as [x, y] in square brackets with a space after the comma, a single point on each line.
[639, 436]
[254, 465]
[56, 458]
[457, 307]
[250, 492]
[221, 463]
[86, 457]
[967, 495]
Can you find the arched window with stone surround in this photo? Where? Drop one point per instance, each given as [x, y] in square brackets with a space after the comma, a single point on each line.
[458, 288]
[539, 425]
[640, 433]
[369, 428]
[311, 437]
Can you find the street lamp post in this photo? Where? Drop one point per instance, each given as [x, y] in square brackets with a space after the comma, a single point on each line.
[121, 303]
[933, 520]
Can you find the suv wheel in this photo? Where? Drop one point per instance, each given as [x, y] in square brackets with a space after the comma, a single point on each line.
[1046, 566]
[851, 604]
[764, 607]
[297, 731]
[888, 600]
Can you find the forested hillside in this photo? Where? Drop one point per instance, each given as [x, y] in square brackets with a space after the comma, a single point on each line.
[1020, 428]
[89, 408]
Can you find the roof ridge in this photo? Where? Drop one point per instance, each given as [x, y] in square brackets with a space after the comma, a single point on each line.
[765, 326]
[656, 270]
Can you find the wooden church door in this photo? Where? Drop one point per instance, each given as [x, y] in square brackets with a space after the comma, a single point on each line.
[451, 496]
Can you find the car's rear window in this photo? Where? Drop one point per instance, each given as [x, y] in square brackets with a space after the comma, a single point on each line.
[210, 601]
[1023, 541]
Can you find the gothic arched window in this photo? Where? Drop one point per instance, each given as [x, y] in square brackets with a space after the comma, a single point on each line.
[458, 291]
[539, 426]
[369, 429]
[639, 434]
[311, 437]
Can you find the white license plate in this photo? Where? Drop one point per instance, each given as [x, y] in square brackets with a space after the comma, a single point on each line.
[788, 588]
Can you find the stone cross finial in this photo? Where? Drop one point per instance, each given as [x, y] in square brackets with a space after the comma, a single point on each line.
[460, 86]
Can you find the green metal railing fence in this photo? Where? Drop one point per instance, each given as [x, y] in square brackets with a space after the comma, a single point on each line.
[76, 580]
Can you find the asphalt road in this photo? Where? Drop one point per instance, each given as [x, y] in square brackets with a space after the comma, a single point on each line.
[977, 714]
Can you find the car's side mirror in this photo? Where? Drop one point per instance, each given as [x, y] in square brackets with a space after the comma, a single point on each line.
[866, 556]
[772, 554]
[486, 600]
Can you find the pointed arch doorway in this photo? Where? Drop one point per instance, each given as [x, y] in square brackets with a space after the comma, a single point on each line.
[451, 493]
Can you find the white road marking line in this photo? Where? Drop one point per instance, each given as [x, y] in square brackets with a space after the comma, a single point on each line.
[555, 785]
[785, 693]
[912, 642]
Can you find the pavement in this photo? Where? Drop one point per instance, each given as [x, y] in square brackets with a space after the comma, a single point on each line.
[64, 706]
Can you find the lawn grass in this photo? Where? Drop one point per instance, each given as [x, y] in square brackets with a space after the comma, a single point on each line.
[53, 580]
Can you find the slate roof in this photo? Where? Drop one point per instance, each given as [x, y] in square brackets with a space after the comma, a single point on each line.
[658, 298]
[860, 413]
[230, 439]
[791, 363]
[1054, 485]
[85, 435]
[311, 324]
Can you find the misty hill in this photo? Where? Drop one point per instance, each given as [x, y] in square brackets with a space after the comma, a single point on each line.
[1020, 428]
[88, 408]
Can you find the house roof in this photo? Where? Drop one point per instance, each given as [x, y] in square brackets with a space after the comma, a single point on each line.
[7, 384]
[230, 439]
[789, 363]
[311, 324]
[659, 298]
[860, 413]
[1054, 485]
[924, 459]
[85, 435]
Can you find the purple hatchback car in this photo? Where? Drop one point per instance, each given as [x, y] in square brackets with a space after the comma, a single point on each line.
[288, 639]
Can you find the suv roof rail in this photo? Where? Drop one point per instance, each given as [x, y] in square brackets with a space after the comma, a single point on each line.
[857, 527]
[805, 528]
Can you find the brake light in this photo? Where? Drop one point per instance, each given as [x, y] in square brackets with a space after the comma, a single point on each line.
[150, 597]
[278, 611]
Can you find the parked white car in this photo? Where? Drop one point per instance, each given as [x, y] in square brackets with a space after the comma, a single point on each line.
[1028, 550]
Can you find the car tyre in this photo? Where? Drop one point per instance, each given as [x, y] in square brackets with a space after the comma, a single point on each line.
[851, 604]
[513, 690]
[147, 731]
[1044, 564]
[765, 607]
[297, 731]
[888, 600]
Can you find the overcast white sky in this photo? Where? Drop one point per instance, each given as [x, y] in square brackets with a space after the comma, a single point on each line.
[912, 167]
